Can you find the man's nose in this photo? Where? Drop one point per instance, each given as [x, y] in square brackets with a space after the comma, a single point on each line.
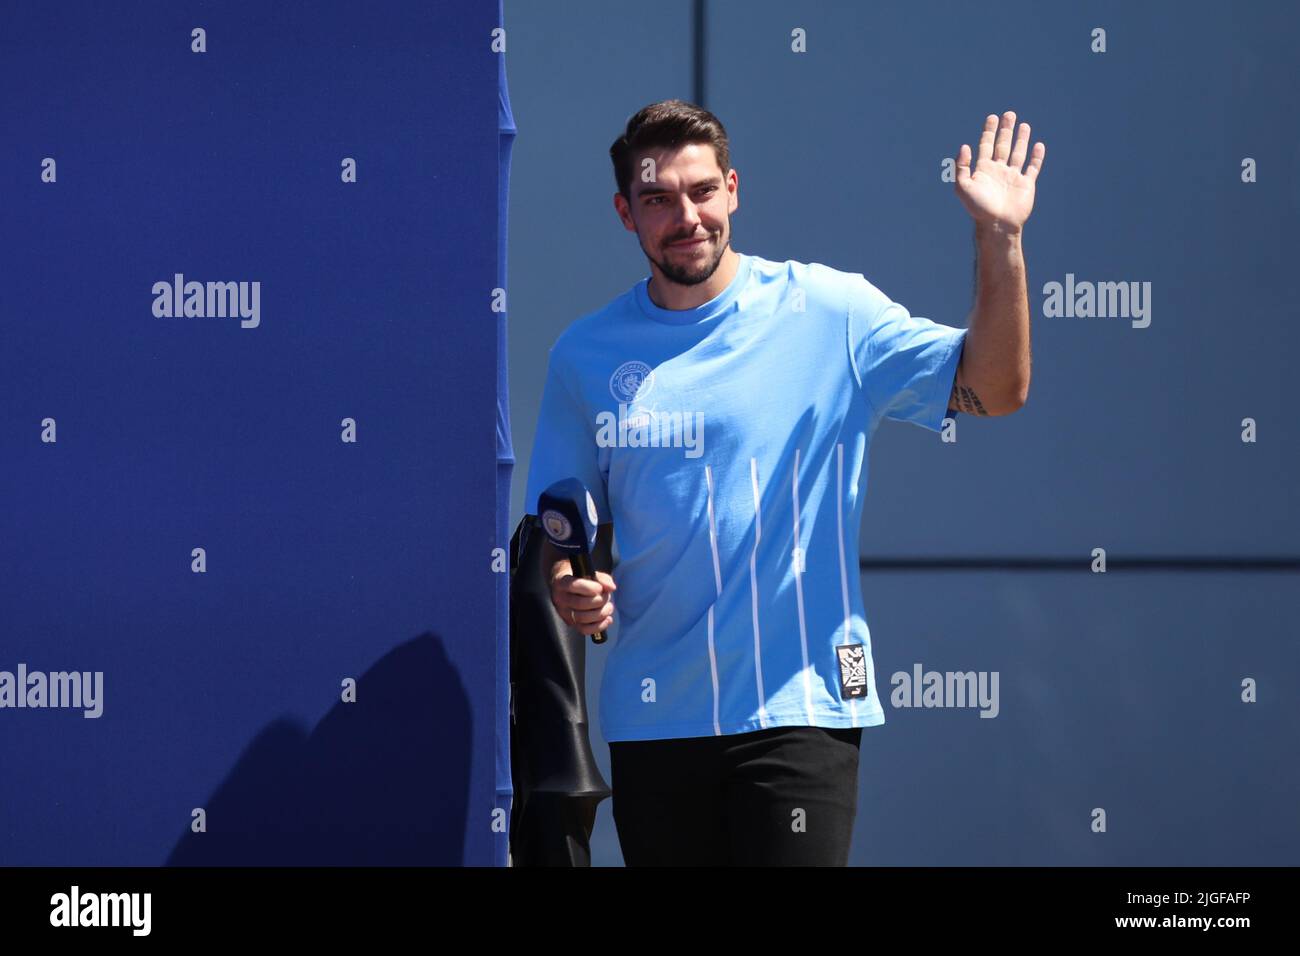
[688, 216]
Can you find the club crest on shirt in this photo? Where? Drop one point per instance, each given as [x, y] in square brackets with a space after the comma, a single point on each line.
[853, 670]
[631, 380]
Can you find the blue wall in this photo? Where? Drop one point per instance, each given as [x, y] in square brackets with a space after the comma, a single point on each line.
[326, 560]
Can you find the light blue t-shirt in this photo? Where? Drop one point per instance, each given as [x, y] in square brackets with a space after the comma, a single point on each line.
[726, 443]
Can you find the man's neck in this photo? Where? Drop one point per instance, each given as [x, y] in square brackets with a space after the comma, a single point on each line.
[672, 295]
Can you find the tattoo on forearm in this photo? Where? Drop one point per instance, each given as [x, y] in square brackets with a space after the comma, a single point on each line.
[965, 400]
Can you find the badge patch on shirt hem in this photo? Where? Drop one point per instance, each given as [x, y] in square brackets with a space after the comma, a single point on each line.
[853, 670]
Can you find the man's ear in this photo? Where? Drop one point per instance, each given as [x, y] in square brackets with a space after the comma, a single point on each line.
[624, 212]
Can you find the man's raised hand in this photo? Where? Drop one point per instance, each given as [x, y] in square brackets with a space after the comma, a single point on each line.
[997, 193]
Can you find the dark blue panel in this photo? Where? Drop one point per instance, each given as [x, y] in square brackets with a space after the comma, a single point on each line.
[325, 559]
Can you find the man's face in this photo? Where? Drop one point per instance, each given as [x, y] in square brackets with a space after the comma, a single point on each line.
[689, 199]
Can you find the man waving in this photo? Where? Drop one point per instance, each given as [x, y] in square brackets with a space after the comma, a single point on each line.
[720, 413]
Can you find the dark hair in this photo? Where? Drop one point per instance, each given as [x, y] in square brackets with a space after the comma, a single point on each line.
[668, 123]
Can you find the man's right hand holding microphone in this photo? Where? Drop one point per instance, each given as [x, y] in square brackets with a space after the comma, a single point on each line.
[581, 603]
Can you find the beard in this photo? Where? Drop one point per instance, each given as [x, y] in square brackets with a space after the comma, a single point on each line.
[685, 270]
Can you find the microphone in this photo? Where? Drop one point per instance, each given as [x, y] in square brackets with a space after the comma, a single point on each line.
[567, 515]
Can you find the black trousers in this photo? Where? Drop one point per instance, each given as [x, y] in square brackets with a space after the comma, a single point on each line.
[785, 796]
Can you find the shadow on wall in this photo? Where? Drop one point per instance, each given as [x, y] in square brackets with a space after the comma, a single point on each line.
[379, 782]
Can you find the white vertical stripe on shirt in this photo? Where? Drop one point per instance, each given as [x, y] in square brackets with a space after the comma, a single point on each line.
[717, 580]
[844, 571]
[798, 591]
[753, 592]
